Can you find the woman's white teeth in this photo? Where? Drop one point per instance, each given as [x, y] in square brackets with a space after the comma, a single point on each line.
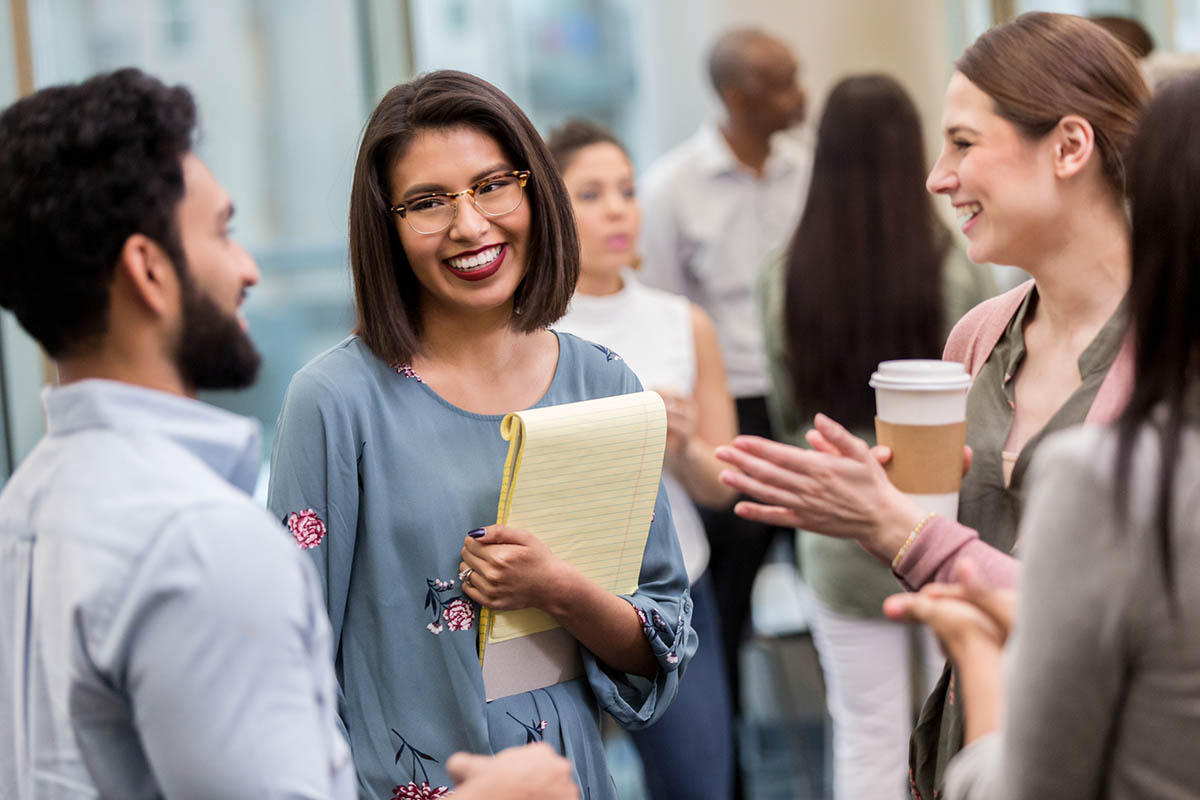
[475, 260]
[968, 210]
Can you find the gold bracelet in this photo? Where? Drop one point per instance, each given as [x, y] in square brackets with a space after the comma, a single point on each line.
[912, 537]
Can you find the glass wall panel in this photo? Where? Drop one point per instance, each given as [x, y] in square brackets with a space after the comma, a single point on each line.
[555, 58]
[283, 91]
[21, 364]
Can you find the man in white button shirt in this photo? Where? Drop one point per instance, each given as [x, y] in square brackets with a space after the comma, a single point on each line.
[159, 634]
[714, 210]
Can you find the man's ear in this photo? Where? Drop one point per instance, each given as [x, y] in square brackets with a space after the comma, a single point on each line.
[1074, 145]
[150, 275]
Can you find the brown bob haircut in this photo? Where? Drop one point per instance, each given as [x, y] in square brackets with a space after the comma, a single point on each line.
[1042, 66]
[386, 292]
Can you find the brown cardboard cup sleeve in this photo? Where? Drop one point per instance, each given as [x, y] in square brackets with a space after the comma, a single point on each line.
[926, 459]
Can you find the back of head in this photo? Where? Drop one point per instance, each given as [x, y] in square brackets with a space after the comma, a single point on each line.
[1129, 32]
[1041, 67]
[1164, 291]
[82, 168]
[728, 60]
[574, 135]
[385, 289]
[1165, 283]
[864, 266]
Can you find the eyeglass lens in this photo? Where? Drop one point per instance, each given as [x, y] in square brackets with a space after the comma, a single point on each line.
[495, 197]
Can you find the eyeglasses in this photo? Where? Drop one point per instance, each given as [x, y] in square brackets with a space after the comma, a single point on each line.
[493, 196]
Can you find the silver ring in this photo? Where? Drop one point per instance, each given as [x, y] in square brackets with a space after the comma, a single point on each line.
[465, 575]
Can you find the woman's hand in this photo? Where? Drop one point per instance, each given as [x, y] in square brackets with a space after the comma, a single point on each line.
[511, 569]
[681, 420]
[973, 621]
[838, 488]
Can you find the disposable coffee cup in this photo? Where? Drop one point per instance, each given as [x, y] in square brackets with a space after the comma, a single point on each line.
[921, 414]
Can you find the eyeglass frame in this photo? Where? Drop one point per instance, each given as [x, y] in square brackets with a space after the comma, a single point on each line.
[522, 176]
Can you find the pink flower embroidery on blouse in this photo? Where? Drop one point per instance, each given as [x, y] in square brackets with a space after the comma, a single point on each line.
[307, 528]
[458, 615]
[407, 371]
[419, 791]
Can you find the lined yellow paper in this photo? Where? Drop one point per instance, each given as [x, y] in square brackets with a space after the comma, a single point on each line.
[583, 478]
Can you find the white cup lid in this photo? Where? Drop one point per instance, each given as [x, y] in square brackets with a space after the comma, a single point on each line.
[920, 375]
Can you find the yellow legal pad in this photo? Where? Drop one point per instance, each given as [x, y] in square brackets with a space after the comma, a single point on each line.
[583, 478]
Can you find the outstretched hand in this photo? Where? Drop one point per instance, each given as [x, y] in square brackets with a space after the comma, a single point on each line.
[964, 615]
[838, 488]
[972, 620]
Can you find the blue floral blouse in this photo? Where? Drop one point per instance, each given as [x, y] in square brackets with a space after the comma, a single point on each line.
[379, 479]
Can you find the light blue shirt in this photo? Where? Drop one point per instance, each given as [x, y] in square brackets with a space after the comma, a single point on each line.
[159, 634]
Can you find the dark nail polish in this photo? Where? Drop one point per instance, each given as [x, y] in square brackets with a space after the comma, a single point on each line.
[476, 533]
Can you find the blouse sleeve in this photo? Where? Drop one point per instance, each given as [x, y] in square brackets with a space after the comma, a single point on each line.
[314, 488]
[1068, 656]
[664, 605]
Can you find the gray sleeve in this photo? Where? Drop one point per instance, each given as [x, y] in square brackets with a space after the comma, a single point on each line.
[314, 488]
[228, 670]
[1068, 656]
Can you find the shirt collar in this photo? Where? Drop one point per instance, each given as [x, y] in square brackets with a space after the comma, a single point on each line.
[716, 157]
[228, 443]
[1098, 356]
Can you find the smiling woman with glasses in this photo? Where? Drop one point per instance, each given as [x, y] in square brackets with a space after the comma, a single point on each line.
[388, 455]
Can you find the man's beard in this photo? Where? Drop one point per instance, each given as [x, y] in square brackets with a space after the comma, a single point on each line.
[214, 352]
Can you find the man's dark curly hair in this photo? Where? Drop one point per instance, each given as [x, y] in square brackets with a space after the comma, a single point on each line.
[82, 168]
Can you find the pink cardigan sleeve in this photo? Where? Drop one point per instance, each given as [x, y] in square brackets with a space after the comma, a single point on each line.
[939, 546]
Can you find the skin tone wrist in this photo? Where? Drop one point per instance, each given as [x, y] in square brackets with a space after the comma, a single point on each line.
[510, 569]
[981, 676]
[604, 623]
[897, 516]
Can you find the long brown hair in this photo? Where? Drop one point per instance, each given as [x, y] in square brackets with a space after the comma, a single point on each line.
[386, 291]
[1042, 66]
[863, 271]
[1164, 292]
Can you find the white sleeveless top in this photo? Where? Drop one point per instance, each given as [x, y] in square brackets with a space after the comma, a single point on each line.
[651, 331]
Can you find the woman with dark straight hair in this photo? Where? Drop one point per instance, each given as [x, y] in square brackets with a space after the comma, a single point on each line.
[871, 274]
[388, 455]
[1037, 123]
[1099, 696]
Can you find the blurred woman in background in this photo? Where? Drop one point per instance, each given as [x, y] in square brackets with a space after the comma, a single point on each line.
[671, 345]
[871, 274]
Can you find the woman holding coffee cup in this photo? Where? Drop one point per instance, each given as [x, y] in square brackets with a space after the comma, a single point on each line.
[1037, 120]
[1118, 714]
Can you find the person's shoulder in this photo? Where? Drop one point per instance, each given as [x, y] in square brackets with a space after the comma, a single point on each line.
[677, 162]
[1081, 449]
[792, 150]
[652, 298]
[991, 315]
[340, 375]
[594, 370]
[227, 543]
